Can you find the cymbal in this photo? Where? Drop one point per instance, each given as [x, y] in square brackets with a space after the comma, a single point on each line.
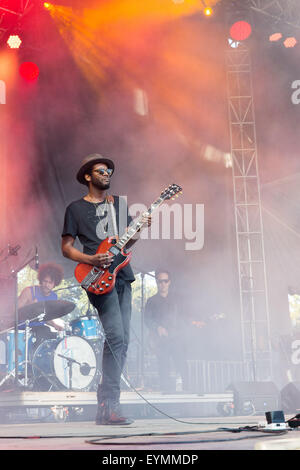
[51, 309]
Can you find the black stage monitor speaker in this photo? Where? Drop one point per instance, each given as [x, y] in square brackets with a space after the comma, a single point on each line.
[290, 398]
[254, 397]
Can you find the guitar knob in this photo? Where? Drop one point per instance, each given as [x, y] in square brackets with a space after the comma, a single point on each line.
[101, 289]
[102, 282]
[110, 278]
[106, 285]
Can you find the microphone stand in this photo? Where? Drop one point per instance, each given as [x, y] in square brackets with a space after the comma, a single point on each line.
[12, 251]
[14, 275]
[70, 362]
[84, 367]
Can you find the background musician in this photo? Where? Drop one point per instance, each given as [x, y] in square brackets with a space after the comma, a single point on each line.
[50, 275]
[166, 324]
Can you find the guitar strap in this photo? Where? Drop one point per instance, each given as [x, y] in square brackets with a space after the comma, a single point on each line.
[110, 199]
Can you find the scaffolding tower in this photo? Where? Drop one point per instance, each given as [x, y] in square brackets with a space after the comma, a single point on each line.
[255, 320]
[278, 11]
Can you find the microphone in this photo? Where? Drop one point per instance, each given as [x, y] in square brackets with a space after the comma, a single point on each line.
[37, 263]
[85, 369]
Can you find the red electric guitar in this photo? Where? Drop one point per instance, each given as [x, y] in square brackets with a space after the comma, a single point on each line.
[102, 280]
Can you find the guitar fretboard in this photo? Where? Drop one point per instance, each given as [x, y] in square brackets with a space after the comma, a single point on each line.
[137, 225]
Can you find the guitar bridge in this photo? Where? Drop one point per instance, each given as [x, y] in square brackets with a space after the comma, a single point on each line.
[91, 278]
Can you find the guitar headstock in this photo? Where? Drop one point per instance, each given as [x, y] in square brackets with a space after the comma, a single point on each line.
[171, 191]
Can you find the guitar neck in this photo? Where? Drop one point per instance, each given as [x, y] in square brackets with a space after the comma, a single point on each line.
[137, 225]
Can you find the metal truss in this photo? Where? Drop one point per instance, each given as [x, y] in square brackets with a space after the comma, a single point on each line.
[255, 320]
[279, 11]
[11, 13]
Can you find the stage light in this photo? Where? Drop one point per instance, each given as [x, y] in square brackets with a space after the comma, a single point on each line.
[208, 11]
[233, 44]
[48, 6]
[275, 37]
[290, 42]
[29, 71]
[14, 41]
[240, 30]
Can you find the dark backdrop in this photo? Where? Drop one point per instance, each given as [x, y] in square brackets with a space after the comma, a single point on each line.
[64, 116]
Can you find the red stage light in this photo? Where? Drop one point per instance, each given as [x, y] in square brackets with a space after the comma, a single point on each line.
[240, 30]
[29, 71]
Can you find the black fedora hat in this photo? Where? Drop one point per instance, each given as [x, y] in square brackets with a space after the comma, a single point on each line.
[88, 162]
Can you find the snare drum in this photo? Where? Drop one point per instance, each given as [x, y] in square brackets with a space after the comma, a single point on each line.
[63, 362]
[86, 327]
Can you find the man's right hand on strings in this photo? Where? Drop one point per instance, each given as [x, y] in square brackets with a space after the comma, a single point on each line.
[102, 260]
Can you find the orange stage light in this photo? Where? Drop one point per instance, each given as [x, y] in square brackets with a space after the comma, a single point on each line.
[208, 11]
[290, 42]
[275, 37]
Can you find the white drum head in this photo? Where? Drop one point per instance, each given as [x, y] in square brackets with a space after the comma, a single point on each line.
[85, 367]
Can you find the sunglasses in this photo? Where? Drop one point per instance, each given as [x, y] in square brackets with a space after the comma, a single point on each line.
[163, 280]
[102, 171]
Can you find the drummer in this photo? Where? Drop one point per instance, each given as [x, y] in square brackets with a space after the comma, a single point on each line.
[50, 275]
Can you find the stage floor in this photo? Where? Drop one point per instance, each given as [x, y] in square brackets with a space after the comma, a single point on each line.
[190, 423]
[150, 435]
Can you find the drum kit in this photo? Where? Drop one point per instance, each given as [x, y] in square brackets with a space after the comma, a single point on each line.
[48, 361]
[31, 355]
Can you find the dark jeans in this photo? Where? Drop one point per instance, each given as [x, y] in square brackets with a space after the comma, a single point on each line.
[114, 311]
[171, 355]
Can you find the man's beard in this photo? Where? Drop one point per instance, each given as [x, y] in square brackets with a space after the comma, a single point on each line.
[99, 185]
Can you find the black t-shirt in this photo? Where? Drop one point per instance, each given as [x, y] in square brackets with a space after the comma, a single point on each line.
[163, 311]
[93, 222]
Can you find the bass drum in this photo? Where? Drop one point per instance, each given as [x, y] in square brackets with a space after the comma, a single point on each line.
[68, 363]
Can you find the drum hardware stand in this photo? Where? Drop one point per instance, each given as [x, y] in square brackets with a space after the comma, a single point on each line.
[51, 382]
[14, 274]
[27, 329]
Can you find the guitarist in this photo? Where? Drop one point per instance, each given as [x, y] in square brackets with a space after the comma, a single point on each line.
[167, 332]
[92, 219]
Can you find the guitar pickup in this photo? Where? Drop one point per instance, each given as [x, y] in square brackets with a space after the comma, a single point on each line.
[114, 250]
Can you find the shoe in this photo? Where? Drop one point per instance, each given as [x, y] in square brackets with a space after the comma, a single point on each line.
[109, 413]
